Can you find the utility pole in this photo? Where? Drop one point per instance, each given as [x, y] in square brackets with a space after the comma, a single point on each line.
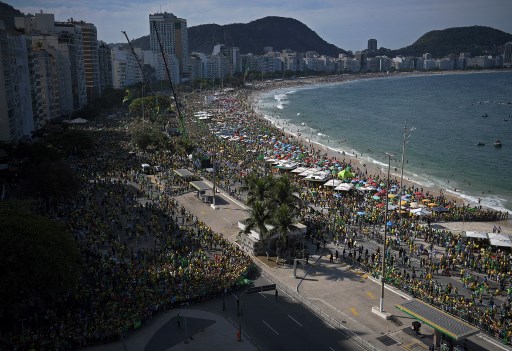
[407, 134]
[143, 112]
[383, 274]
[214, 186]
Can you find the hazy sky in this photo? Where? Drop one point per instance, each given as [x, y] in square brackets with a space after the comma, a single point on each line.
[347, 24]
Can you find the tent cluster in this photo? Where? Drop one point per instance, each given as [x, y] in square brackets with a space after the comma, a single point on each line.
[495, 239]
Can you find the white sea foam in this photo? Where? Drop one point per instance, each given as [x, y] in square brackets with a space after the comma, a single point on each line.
[493, 202]
[425, 175]
[280, 97]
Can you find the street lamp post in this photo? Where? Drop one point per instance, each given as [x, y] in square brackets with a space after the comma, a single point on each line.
[214, 183]
[381, 307]
[406, 136]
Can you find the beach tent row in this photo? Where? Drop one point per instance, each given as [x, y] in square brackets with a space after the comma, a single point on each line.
[203, 115]
[496, 239]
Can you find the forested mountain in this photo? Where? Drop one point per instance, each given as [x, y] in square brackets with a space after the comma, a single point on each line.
[288, 33]
[278, 32]
[477, 40]
[7, 14]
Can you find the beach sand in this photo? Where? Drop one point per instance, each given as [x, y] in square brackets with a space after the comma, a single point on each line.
[359, 163]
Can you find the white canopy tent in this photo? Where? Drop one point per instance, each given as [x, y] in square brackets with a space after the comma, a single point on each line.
[299, 170]
[333, 182]
[308, 171]
[367, 188]
[502, 240]
[476, 235]
[344, 187]
[318, 176]
[420, 212]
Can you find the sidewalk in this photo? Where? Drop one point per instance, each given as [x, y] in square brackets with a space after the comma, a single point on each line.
[209, 331]
[339, 294]
[336, 292]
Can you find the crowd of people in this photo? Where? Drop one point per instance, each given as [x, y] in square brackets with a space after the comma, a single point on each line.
[144, 253]
[418, 252]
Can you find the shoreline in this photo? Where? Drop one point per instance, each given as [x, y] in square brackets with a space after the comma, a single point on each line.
[371, 168]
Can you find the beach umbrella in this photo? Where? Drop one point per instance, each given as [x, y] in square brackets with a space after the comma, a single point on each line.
[360, 213]
[375, 197]
[439, 209]
[344, 174]
[391, 196]
[421, 212]
[389, 223]
[380, 205]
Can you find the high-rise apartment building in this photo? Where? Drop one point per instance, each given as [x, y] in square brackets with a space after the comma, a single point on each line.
[174, 38]
[105, 64]
[507, 55]
[9, 123]
[361, 58]
[69, 37]
[91, 63]
[46, 92]
[125, 69]
[16, 118]
[372, 45]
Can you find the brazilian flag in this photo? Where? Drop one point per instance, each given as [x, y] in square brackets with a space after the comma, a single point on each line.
[127, 96]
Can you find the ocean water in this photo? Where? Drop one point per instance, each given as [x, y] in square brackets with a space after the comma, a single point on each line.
[446, 115]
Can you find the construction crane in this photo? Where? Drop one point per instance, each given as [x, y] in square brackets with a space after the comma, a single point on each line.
[180, 116]
[146, 80]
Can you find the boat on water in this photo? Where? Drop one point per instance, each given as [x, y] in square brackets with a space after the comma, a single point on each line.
[485, 115]
[498, 143]
[480, 144]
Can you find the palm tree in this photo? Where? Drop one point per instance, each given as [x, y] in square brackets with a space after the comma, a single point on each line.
[283, 221]
[259, 217]
[258, 188]
[282, 192]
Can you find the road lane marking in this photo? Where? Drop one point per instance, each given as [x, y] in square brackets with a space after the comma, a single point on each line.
[270, 327]
[354, 311]
[331, 348]
[482, 336]
[293, 319]
[370, 295]
[262, 294]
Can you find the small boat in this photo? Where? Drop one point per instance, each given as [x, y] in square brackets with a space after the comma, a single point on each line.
[498, 143]
[485, 115]
[480, 144]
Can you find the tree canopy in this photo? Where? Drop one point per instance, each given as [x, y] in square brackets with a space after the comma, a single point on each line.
[147, 135]
[39, 260]
[154, 107]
